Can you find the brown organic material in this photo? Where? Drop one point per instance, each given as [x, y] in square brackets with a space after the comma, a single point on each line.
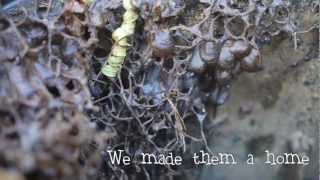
[240, 49]
[59, 116]
[252, 62]
[162, 43]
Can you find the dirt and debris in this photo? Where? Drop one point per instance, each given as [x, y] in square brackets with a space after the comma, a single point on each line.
[60, 116]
